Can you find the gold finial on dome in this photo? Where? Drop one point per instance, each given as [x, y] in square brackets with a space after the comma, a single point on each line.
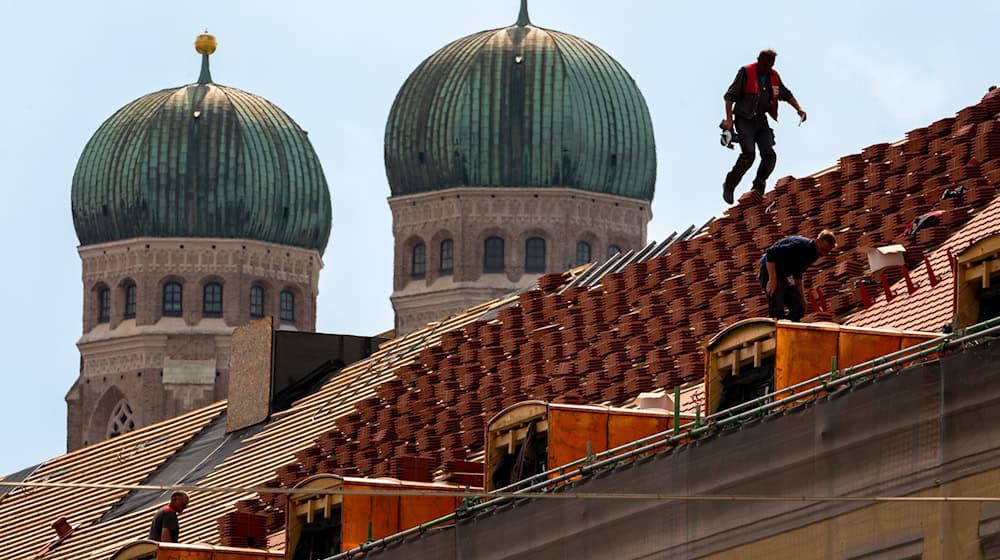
[205, 44]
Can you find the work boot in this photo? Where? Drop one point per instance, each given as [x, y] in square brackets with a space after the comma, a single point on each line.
[758, 187]
[727, 193]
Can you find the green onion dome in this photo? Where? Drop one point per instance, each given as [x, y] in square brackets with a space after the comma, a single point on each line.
[201, 160]
[521, 106]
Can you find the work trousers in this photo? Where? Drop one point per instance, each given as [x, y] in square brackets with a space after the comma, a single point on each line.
[753, 132]
[786, 294]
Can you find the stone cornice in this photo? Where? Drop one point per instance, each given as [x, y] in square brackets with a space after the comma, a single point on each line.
[166, 326]
[498, 192]
[182, 255]
[523, 206]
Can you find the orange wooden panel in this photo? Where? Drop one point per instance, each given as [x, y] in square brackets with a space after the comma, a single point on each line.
[183, 555]
[414, 510]
[803, 352]
[857, 347]
[248, 555]
[713, 391]
[623, 428]
[354, 515]
[385, 515]
[569, 432]
[913, 339]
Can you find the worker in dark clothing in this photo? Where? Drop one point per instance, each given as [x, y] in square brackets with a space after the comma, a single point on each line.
[781, 270]
[165, 527]
[752, 96]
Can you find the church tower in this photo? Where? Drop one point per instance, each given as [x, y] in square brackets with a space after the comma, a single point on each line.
[511, 153]
[198, 208]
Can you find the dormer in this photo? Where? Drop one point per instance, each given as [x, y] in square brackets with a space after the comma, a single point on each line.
[977, 282]
[531, 437]
[331, 514]
[756, 357]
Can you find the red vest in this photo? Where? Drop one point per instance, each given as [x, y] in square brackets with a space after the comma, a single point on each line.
[752, 85]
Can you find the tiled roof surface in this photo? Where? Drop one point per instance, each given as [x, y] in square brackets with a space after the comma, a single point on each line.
[430, 393]
[644, 325]
[929, 307]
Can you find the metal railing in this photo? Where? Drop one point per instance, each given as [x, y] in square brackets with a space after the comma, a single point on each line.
[793, 395]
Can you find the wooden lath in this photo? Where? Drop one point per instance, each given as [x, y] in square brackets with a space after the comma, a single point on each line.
[127, 459]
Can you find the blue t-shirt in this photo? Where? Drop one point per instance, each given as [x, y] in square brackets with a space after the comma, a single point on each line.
[791, 256]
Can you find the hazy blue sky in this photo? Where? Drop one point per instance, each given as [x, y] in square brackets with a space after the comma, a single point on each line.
[866, 72]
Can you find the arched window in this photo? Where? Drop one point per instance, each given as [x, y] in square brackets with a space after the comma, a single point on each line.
[287, 306]
[212, 300]
[534, 255]
[447, 256]
[130, 301]
[613, 250]
[418, 263]
[493, 254]
[582, 253]
[122, 419]
[256, 302]
[172, 297]
[103, 305]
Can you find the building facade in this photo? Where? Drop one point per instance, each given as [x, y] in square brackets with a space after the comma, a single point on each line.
[198, 209]
[511, 153]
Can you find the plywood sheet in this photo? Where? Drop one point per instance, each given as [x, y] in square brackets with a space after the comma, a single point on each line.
[803, 352]
[569, 432]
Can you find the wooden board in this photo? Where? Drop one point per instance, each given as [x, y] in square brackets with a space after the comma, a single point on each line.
[803, 352]
[571, 430]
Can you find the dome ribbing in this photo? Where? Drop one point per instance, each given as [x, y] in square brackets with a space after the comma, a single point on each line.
[520, 106]
[201, 160]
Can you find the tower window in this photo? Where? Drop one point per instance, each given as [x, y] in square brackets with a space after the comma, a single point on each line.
[582, 253]
[418, 261]
[447, 256]
[212, 300]
[613, 250]
[172, 293]
[287, 306]
[103, 305]
[122, 419]
[130, 301]
[493, 254]
[534, 255]
[256, 302]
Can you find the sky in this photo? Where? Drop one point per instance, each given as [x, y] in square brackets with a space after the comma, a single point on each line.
[866, 72]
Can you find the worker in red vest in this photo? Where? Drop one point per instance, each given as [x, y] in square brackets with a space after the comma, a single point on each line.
[753, 95]
[165, 527]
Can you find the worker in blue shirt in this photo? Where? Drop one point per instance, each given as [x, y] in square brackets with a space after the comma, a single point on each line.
[781, 270]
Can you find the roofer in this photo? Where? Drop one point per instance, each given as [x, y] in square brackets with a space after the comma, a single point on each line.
[165, 527]
[752, 96]
[781, 270]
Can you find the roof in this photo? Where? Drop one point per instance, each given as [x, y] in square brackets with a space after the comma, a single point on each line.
[126, 459]
[103, 524]
[931, 306]
[201, 160]
[521, 106]
[602, 336]
[644, 326]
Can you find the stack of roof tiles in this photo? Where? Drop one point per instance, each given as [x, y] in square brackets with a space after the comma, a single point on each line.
[242, 529]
